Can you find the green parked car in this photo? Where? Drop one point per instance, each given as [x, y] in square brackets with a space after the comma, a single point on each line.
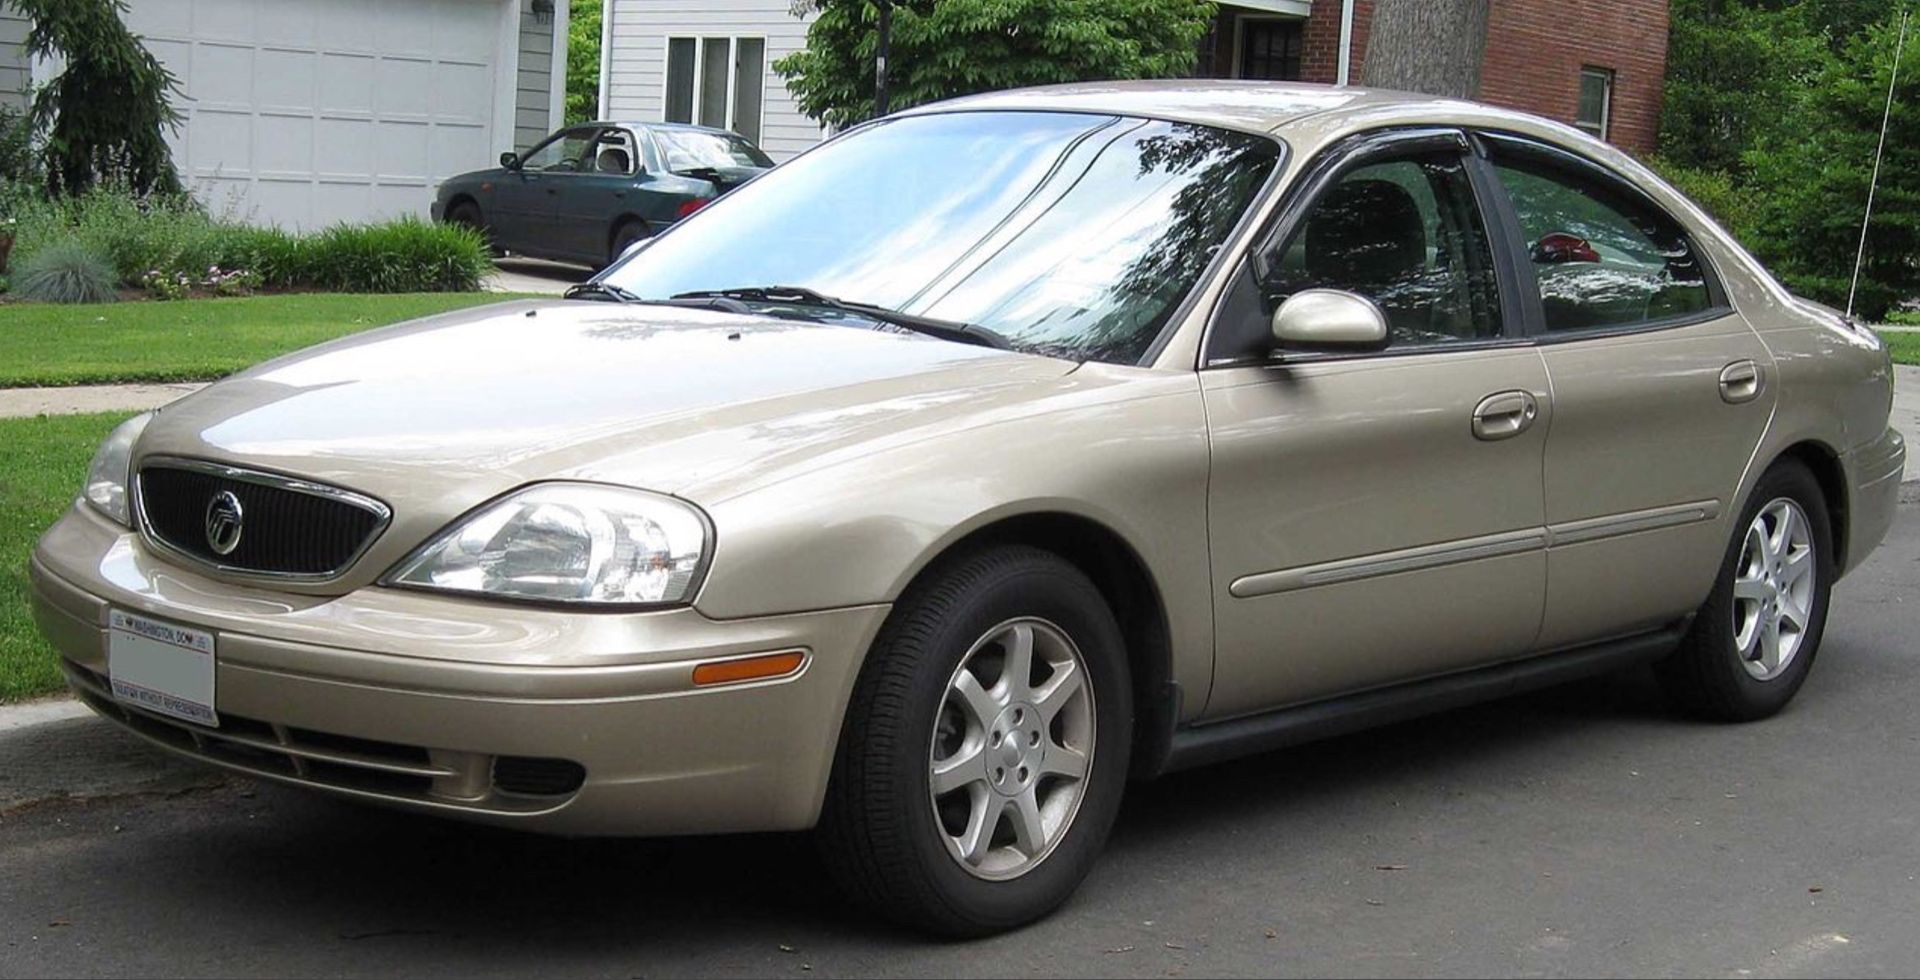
[589, 192]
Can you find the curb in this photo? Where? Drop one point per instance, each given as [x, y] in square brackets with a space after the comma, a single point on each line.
[28, 714]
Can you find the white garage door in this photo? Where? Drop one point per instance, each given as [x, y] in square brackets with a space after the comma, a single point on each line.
[303, 113]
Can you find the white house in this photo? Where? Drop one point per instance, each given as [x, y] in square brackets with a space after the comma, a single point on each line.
[303, 113]
[708, 62]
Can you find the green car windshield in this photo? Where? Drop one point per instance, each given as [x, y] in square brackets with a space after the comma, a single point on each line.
[1069, 234]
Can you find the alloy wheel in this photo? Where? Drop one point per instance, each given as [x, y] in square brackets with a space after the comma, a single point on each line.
[1773, 589]
[1012, 748]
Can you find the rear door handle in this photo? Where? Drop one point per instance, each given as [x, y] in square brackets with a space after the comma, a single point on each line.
[1740, 382]
[1504, 415]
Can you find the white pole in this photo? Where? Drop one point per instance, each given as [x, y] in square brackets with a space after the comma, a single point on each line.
[1860, 256]
[1346, 43]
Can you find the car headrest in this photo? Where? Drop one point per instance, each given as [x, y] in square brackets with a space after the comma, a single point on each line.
[1365, 233]
[614, 160]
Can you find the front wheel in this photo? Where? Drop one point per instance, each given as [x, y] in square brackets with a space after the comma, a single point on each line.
[466, 214]
[986, 747]
[1753, 642]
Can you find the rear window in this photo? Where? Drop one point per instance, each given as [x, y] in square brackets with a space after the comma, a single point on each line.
[691, 149]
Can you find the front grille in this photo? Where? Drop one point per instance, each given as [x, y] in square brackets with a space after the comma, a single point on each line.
[288, 527]
[504, 784]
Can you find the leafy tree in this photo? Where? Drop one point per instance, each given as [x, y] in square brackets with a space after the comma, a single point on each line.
[105, 114]
[1813, 181]
[957, 47]
[583, 61]
[1731, 69]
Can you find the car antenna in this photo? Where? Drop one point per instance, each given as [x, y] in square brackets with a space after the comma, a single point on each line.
[1873, 184]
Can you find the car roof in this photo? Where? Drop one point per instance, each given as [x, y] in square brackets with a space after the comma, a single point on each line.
[1257, 106]
[656, 124]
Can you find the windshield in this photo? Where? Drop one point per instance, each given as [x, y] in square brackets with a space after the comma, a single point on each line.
[1068, 234]
[692, 149]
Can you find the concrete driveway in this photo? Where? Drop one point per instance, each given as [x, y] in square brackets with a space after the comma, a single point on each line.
[538, 276]
[1584, 831]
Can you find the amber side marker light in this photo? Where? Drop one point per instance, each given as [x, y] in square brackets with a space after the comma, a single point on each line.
[748, 668]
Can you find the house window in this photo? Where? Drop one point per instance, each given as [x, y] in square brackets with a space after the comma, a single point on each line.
[716, 81]
[1270, 48]
[1596, 100]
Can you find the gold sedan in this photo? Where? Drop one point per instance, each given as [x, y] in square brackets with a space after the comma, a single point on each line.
[934, 484]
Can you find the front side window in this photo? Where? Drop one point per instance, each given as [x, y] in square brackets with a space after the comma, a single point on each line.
[1601, 257]
[569, 152]
[1408, 235]
[716, 81]
[1069, 234]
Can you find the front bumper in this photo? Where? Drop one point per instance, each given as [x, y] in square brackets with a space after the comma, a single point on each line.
[566, 722]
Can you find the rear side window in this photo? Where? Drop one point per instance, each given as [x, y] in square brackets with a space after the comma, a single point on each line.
[1602, 257]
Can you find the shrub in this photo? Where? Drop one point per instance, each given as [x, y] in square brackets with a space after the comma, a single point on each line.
[405, 256]
[68, 272]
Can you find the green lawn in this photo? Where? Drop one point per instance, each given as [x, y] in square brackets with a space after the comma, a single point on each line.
[1905, 345]
[40, 473]
[192, 340]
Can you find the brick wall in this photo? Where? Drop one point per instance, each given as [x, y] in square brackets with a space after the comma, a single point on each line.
[1536, 48]
[1320, 55]
[1535, 51]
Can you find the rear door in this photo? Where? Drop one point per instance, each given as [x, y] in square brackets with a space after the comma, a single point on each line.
[603, 189]
[1661, 393]
[1375, 517]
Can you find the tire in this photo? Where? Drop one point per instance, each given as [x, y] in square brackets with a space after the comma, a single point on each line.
[894, 845]
[630, 231]
[467, 215]
[1712, 676]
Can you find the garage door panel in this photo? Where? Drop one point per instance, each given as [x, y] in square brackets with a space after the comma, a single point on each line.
[285, 79]
[284, 146]
[221, 73]
[231, 19]
[405, 86]
[346, 82]
[343, 146]
[335, 202]
[221, 142]
[400, 150]
[317, 111]
[289, 23]
[454, 148]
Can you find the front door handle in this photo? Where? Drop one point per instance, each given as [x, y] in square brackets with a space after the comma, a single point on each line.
[1740, 382]
[1504, 415]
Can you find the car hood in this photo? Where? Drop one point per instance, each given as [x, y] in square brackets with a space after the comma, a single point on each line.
[436, 416]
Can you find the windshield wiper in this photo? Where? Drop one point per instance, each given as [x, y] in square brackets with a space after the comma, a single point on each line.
[966, 333]
[600, 291]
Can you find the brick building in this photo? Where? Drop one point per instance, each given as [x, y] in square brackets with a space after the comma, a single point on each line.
[1599, 66]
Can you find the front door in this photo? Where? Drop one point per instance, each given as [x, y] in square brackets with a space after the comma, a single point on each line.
[527, 200]
[1376, 517]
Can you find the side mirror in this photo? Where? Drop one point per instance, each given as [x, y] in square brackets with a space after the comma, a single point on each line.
[1329, 319]
[510, 160]
[1560, 247]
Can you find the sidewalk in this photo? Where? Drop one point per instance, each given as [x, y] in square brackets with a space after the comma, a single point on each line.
[79, 399]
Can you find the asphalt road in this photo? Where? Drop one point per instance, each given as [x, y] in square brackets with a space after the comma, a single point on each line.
[1581, 832]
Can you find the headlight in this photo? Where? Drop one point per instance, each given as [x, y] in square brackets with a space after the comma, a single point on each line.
[568, 542]
[107, 476]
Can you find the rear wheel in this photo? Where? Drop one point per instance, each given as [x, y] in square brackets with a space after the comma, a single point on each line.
[1753, 642]
[624, 237]
[466, 214]
[986, 747]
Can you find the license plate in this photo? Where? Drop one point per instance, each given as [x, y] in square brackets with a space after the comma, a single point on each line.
[163, 668]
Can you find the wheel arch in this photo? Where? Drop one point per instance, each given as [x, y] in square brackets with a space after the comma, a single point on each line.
[620, 222]
[1127, 584]
[463, 197]
[1821, 459]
